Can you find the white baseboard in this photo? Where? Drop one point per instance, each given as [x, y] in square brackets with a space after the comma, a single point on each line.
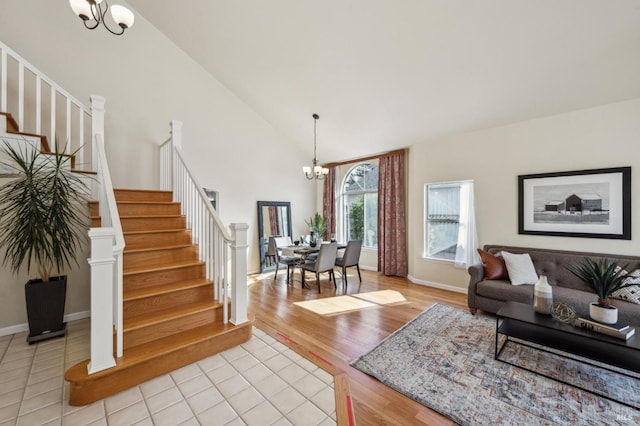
[437, 285]
[368, 268]
[19, 328]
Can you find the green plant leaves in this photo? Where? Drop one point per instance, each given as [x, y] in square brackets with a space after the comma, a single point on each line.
[603, 276]
[42, 218]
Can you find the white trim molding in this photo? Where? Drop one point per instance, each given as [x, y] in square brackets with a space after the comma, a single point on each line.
[19, 328]
[455, 289]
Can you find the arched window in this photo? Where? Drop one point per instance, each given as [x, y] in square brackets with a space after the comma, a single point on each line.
[360, 204]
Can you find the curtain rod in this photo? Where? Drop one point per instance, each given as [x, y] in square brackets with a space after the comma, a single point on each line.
[370, 157]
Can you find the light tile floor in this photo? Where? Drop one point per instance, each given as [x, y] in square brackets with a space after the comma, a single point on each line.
[261, 382]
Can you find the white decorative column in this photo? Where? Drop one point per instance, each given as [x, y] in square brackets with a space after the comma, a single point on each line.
[101, 264]
[239, 296]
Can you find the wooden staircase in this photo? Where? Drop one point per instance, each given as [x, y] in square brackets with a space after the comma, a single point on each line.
[170, 316]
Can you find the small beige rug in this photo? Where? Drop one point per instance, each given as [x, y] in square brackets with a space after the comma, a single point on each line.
[334, 305]
[382, 297]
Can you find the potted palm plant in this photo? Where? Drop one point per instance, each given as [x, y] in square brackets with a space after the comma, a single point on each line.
[317, 225]
[41, 225]
[604, 277]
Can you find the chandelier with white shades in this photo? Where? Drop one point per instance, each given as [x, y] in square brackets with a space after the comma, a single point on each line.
[315, 171]
[93, 12]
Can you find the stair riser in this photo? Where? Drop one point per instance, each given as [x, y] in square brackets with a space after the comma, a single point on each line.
[109, 382]
[151, 332]
[159, 257]
[153, 278]
[94, 208]
[96, 222]
[152, 224]
[133, 308]
[142, 195]
[144, 209]
[159, 239]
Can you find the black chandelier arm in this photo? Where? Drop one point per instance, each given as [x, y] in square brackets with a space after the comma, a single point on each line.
[86, 24]
[98, 14]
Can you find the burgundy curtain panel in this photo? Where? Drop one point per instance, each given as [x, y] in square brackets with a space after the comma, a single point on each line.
[329, 201]
[392, 228]
[274, 223]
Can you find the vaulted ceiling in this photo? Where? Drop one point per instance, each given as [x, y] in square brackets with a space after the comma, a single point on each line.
[385, 74]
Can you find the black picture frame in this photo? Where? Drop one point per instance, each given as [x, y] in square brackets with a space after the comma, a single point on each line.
[592, 203]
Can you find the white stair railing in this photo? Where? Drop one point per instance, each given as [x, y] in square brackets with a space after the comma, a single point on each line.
[42, 107]
[224, 252]
[107, 246]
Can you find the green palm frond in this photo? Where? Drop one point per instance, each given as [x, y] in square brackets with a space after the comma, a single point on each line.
[41, 220]
[603, 276]
[318, 224]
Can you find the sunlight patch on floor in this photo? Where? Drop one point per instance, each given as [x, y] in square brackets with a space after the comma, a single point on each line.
[341, 304]
[382, 297]
[334, 305]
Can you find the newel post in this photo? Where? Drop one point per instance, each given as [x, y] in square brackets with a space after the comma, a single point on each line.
[97, 124]
[176, 133]
[101, 264]
[239, 295]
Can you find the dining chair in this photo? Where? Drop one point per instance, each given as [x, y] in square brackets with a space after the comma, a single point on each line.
[270, 256]
[351, 257]
[290, 261]
[323, 263]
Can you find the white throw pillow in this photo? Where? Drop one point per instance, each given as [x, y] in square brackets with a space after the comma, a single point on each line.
[630, 294]
[520, 268]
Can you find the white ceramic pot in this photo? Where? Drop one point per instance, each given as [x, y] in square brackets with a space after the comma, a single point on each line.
[604, 315]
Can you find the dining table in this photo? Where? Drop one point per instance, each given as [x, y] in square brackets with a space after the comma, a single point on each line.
[305, 250]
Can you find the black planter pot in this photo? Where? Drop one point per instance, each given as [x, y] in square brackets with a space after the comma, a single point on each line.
[45, 308]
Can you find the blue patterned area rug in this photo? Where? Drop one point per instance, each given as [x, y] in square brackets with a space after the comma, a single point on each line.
[443, 359]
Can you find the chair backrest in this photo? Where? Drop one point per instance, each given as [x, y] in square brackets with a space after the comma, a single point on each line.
[326, 257]
[272, 247]
[283, 241]
[352, 253]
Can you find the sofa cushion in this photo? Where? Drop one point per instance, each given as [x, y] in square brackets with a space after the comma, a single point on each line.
[520, 268]
[504, 291]
[494, 266]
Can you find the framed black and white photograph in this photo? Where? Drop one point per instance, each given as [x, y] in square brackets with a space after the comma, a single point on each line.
[586, 203]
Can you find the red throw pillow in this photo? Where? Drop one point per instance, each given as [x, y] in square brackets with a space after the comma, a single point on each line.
[494, 266]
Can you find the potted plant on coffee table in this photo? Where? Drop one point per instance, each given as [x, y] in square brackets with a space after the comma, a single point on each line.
[41, 225]
[604, 277]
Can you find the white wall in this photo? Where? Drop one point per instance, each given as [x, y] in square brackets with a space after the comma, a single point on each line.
[606, 136]
[147, 81]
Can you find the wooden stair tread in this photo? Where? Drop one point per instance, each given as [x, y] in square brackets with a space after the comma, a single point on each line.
[154, 216]
[146, 351]
[155, 232]
[146, 320]
[148, 202]
[86, 172]
[144, 292]
[163, 267]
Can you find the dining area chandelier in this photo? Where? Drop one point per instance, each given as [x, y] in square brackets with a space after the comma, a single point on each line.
[315, 171]
[93, 12]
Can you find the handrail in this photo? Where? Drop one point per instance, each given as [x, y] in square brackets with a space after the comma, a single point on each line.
[111, 218]
[223, 252]
[74, 133]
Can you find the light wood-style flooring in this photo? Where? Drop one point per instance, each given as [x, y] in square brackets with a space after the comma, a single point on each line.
[333, 341]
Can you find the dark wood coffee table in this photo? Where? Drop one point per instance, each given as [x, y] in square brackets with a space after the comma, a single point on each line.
[520, 321]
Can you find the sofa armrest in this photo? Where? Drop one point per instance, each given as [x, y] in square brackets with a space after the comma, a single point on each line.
[476, 274]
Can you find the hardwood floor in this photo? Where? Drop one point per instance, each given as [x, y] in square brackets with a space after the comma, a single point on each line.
[333, 341]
